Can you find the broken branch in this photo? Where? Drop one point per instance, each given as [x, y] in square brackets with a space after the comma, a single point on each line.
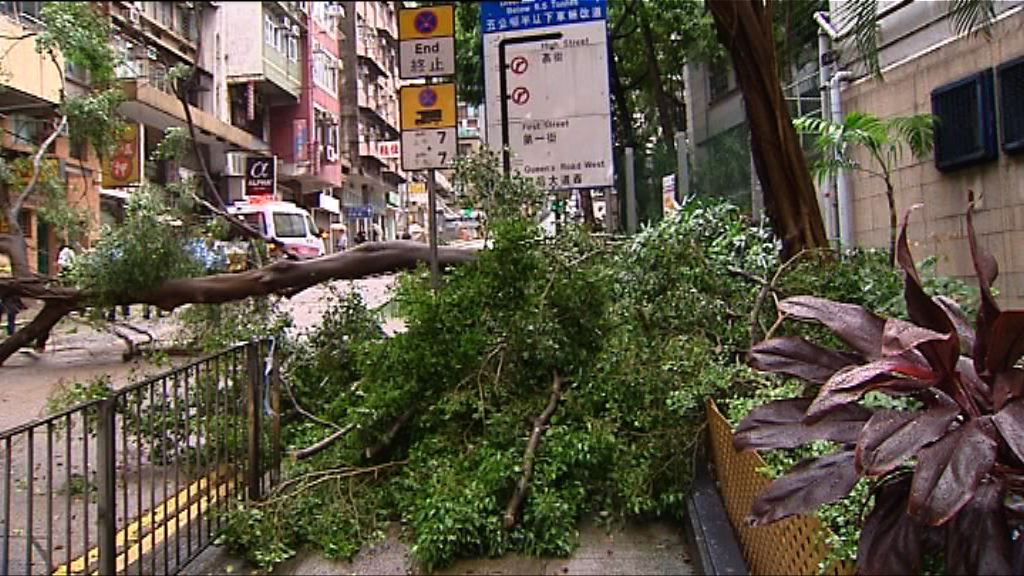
[540, 425]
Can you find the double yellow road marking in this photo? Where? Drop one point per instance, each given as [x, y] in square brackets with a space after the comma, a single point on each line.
[154, 527]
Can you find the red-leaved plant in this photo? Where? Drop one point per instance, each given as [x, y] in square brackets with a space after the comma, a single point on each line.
[949, 478]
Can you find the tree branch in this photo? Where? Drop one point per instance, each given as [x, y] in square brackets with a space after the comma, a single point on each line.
[283, 277]
[540, 425]
[384, 444]
[320, 446]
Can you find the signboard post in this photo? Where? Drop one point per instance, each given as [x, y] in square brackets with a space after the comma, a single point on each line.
[546, 81]
[429, 114]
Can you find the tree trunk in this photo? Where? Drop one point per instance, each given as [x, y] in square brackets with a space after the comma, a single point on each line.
[745, 28]
[626, 132]
[587, 207]
[661, 98]
[285, 278]
[38, 330]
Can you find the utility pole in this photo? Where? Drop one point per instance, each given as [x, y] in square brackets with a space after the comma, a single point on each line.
[631, 211]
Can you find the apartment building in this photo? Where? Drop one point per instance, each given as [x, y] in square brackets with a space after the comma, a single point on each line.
[29, 96]
[283, 83]
[371, 200]
[152, 38]
[974, 84]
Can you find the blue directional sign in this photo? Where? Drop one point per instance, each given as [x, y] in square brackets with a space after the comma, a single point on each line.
[526, 14]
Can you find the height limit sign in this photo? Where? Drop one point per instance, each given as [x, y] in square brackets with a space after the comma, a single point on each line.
[429, 120]
[426, 47]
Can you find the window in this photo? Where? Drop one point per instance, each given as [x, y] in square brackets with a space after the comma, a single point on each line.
[268, 29]
[325, 70]
[718, 80]
[312, 226]
[965, 133]
[187, 23]
[289, 225]
[1011, 104]
[255, 221]
[165, 13]
[293, 47]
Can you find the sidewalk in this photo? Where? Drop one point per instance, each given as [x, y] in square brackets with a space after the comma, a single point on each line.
[639, 548]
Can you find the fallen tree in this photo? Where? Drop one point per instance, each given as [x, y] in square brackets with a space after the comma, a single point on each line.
[283, 278]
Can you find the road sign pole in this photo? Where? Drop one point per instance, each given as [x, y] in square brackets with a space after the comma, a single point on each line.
[435, 271]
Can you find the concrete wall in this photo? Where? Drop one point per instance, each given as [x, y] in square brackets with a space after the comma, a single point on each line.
[244, 38]
[25, 69]
[940, 227]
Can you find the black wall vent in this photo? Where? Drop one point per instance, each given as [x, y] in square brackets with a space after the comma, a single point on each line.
[1011, 103]
[965, 131]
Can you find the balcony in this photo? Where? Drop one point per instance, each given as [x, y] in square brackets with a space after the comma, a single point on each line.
[154, 107]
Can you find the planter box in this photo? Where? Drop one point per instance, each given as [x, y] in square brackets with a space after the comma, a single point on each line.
[795, 545]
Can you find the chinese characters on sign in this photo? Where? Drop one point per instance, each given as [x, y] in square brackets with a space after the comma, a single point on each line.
[557, 123]
[124, 165]
[527, 14]
[426, 48]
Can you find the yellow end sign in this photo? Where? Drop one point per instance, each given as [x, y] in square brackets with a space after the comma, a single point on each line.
[428, 106]
[428, 22]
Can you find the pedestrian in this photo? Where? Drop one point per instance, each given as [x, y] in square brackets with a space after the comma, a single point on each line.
[11, 305]
[65, 261]
[360, 237]
[406, 235]
[343, 241]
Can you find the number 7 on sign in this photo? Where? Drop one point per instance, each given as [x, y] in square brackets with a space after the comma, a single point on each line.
[441, 135]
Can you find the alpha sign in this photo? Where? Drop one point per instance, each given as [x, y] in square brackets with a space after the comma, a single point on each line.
[426, 42]
[260, 175]
[555, 87]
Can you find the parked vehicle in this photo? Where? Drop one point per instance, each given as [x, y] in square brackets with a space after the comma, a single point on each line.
[286, 222]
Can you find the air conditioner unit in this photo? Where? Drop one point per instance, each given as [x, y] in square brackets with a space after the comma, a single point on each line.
[234, 164]
[331, 152]
[336, 10]
[151, 53]
[134, 15]
[295, 30]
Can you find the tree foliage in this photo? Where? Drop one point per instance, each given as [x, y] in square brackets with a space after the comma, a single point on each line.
[884, 140]
[944, 470]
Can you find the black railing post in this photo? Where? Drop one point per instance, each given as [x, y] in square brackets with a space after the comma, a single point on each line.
[275, 405]
[255, 379]
[106, 522]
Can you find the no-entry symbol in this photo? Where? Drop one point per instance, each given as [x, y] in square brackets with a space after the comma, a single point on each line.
[426, 22]
[519, 65]
[427, 97]
[520, 95]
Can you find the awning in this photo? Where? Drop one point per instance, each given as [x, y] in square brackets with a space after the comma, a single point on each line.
[115, 193]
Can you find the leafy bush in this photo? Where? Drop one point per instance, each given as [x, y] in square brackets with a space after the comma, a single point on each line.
[944, 471]
[643, 331]
[138, 255]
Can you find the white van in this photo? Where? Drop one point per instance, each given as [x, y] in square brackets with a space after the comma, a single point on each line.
[285, 221]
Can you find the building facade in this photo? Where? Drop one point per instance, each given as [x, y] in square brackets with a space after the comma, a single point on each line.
[973, 84]
[29, 97]
[371, 200]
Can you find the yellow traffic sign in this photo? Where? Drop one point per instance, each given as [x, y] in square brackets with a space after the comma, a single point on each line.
[427, 22]
[428, 106]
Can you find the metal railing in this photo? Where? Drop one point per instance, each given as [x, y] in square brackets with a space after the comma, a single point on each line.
[134, 483]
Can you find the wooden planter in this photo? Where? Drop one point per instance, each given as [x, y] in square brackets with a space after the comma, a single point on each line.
[795, 545]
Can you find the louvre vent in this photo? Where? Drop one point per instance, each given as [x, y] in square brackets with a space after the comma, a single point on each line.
[1011, 104]
[965, 133]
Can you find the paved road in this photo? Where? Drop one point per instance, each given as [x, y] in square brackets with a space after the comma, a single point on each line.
[78, 353]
